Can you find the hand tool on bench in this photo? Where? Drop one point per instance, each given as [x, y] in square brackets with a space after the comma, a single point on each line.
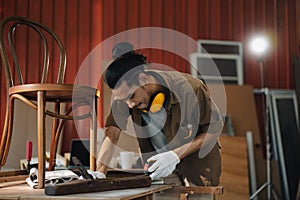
[81, 168]
[28, 154]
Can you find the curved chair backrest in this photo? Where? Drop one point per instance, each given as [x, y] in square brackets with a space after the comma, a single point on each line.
[8, 29]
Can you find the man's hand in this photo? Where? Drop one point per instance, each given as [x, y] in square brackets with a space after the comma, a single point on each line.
[165, 163]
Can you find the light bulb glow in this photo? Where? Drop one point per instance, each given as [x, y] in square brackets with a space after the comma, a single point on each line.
[259, 45]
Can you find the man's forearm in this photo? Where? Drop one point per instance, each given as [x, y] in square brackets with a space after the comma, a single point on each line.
[108, 148]
[190, 147]
[105, 155]
[203, 140]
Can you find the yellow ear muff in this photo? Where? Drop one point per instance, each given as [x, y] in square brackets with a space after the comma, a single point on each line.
[157, 103]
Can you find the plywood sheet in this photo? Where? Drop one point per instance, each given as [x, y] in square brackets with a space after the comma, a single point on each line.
[234, 177]
[241, 107]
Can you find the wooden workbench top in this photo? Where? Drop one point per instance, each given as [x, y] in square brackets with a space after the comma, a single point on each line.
[25, 192]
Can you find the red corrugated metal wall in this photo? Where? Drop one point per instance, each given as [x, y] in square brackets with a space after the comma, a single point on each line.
[235, 20]
[82, 24]
[78, 24]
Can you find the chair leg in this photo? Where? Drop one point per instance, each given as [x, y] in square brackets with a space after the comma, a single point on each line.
[3, 141]
[7, 131]
[41, 138]
[55, 140]
[53, 146]
[93, 134]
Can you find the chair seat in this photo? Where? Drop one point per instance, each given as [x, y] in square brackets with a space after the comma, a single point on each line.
[63, 92]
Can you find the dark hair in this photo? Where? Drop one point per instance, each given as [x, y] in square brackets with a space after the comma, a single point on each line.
[125, 67]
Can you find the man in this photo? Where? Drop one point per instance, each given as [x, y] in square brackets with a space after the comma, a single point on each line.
[175, 121]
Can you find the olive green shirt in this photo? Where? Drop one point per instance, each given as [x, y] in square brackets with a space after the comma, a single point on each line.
[189, 104]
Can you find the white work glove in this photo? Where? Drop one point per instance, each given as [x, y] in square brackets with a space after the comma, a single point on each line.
[164, 164]
[96, 174]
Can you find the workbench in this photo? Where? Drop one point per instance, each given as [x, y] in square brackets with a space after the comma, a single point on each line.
[24, 192]
[14, 187]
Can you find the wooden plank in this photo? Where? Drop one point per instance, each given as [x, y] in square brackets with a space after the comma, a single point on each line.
[199, 190]
[85, 186]
[13, 173]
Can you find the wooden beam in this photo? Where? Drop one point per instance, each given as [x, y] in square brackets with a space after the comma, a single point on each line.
[216, 190]
[13, 173]
[13, 178]
[85, 186]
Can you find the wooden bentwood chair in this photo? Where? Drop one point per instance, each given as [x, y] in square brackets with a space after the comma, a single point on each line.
[37, 95]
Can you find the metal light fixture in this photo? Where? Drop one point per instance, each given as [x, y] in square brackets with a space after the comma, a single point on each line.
[259, 46]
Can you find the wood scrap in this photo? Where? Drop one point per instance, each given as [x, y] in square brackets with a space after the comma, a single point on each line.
[12, 178]
[12, 183]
